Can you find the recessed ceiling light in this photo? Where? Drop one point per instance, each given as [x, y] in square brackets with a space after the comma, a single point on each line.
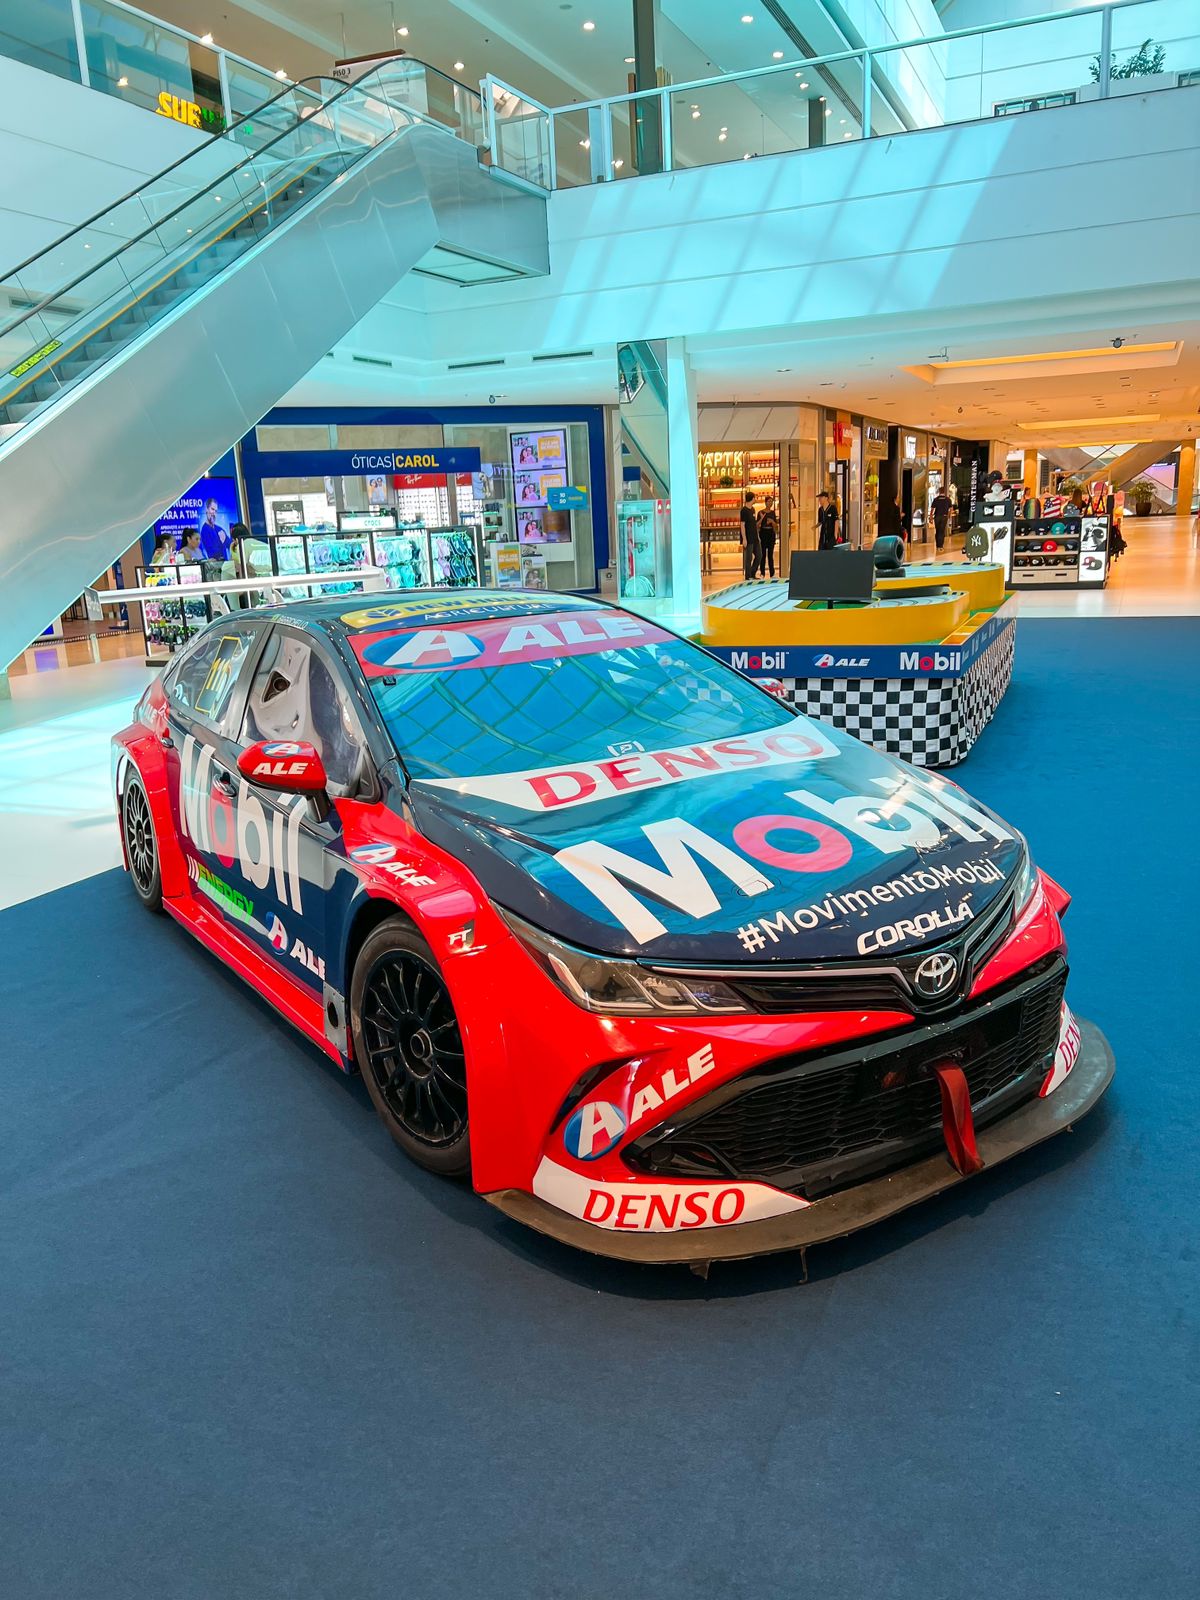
[628, 61]
[747, 18]
[821, 99]
[695, 116]
[281, 74]
[847, 136]
[618, 164]
[1090, 422]
[776, 55]
[459, 66]
[828, 111]
[721, 138]
[206, 38]
[403, 32]
[585, 144]
[122, 83]
[803, 85]
[589, 27]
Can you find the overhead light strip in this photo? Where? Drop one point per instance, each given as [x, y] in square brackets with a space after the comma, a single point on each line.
[1110, 351]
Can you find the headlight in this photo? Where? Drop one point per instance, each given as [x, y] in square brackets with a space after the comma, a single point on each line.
[1027, 882]
[620, 988]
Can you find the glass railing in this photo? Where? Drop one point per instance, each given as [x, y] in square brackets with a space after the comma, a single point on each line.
[997, 70]
[150, 63]
[106, 280]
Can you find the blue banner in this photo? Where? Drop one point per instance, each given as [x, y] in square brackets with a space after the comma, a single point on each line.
[358, 463]
[573, 498]
[868, 660]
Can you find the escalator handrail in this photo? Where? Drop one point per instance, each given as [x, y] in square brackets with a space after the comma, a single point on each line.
[320, 105]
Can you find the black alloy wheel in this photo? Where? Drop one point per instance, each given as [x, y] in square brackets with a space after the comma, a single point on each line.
[141, 847]
[409, 1049]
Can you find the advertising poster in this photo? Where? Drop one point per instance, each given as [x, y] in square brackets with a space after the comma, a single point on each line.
[211, 505]
[539, 462]
[1093, 553]
[533, 568]
[508, 566]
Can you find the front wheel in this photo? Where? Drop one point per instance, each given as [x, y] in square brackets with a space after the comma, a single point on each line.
[141, 847]
[408, 1046]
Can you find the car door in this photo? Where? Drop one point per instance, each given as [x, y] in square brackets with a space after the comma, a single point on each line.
[205, 690]
[296, 693]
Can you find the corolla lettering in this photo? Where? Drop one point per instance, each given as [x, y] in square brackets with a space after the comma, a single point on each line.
[911, 818]
[240, 830]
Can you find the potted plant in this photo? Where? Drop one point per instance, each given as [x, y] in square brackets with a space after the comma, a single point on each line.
[1140, 494]
[1145, 61]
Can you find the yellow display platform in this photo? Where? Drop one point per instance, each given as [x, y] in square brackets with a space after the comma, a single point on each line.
[982, 582]
[760, 614]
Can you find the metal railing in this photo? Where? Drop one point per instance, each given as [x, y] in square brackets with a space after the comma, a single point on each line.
[196, 216]
[967, 74]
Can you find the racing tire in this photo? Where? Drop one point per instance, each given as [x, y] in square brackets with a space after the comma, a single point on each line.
[409, 1049]
[141, 846]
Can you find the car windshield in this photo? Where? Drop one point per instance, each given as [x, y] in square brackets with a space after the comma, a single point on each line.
[495, 696]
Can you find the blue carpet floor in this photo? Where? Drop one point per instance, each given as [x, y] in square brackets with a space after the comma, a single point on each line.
[246, 1350]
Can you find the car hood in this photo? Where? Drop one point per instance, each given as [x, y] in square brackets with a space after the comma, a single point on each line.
[794, 844]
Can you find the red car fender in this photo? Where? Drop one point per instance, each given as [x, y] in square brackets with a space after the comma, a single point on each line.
[143, 750]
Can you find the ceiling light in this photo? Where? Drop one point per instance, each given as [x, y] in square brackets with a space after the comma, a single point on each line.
[695, 116]
[281, 74]
[724, 128]
[821, 99]
[122, 83]
[776, 55]
[459, 66]
[721, 138]
[585, 144]
[746, 157]
[618, 164]
[206, 38]
[589, 27]
[403, 32]
[1088, 422]
[803, 85]
[1060, 355]
[747, 18]
[628, 61]
[828, 111]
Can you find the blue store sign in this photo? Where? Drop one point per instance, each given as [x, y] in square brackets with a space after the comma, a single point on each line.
[358, 463]
[572, 498]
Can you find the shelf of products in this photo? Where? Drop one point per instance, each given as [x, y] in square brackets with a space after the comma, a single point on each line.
[1047, 552]
[725, 476]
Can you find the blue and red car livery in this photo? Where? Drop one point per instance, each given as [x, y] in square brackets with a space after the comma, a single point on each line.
[673, 973]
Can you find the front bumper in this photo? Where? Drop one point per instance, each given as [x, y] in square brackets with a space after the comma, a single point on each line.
[849, 1209]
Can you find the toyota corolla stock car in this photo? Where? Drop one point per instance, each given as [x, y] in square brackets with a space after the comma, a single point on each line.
[669, 972]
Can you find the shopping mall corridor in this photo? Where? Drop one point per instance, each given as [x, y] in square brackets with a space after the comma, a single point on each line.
[235, 1320]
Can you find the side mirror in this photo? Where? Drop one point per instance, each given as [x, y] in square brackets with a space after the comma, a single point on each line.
[293, 767]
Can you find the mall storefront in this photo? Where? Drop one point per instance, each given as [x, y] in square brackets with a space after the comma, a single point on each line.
[511, 497]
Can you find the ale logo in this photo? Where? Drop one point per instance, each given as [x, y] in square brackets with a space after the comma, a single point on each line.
[277, 933]
[428, 647]
[373, 855]
[593, 1130]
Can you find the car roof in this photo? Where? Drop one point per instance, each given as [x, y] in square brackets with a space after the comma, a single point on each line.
[357, 613]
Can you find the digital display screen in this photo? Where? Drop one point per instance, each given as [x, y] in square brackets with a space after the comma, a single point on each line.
[211, 505]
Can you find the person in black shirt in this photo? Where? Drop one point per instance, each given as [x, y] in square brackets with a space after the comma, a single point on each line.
[751, 548]
[827, 523]
[941, 509]
[768, 532]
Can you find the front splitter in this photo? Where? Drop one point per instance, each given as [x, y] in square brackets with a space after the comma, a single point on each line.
[842, 1213]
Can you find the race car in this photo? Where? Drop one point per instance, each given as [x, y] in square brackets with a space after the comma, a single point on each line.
[669, 971]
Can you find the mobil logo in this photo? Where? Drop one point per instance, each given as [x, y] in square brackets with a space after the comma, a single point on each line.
[593, 1130]
[238, 829]
[932, 661]
[758, 660]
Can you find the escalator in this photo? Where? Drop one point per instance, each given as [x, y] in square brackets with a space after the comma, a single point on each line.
[141, 345]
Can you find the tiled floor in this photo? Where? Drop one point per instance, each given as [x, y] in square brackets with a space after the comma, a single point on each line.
[56, 816]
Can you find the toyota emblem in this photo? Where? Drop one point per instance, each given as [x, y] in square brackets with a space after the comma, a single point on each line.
[936, 974]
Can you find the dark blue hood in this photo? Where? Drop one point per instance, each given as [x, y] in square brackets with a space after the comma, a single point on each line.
[800, 844]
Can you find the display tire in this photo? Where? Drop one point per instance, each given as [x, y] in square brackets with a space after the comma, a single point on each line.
[409, 1049]
[141, 843]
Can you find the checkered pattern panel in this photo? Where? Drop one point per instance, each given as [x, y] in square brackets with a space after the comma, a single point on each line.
[932, 722]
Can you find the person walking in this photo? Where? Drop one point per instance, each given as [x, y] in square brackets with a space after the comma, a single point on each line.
[751, 548]
[827, 522]
[940, 510]
[768, 533]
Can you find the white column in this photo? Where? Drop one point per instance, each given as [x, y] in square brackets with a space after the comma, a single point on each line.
[683, 439]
